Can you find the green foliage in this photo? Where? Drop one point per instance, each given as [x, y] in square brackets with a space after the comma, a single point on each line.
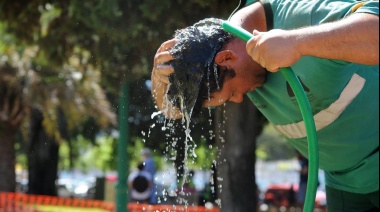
[206, 155]
[272, 146]
[47, 17]
[122, 36]
[102, 154]
[21, 159]
[73, 87]
[134, 153]
[89, 156]
[135, 157]
[64, 156]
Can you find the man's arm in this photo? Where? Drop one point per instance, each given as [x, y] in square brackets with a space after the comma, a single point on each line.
[352, 39]
[160, 81]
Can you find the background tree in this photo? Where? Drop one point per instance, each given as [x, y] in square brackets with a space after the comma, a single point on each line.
[11, 115]
[243, 123]
[28, 84]
[42, 157]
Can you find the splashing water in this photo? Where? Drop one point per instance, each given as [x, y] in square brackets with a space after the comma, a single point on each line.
[182, 197]
[194, 66]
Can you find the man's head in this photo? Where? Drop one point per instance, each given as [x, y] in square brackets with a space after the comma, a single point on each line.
[196, 74]
[146, 152]
[205, 60]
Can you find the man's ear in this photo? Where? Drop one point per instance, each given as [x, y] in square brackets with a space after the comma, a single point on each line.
[225, 57]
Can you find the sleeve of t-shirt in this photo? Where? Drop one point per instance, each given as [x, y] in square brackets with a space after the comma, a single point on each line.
[371, 7]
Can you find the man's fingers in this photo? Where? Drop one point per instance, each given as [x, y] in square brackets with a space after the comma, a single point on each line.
[162, 57]
[164, 70]
[251, 48]
[160, 70]
[253, 52]
[256, 32]
[161, 73]
[167, 45]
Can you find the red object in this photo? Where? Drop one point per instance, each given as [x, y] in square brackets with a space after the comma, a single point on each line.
[111, 178]
[285, 194]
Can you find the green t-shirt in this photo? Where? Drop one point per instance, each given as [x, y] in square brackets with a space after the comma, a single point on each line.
[344, 98]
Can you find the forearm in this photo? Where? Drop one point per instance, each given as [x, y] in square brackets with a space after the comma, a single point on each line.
[353, 39]
[160, 81]
[159, 90]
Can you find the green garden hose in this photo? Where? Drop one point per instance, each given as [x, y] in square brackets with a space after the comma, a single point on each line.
[307, 116]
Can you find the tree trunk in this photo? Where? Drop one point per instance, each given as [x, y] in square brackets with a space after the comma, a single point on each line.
[7, 158]
[42, 159]
[236, 165]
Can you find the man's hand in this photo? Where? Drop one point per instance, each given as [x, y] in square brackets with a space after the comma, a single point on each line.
[274, 49]
[353, 39]
[160, 80]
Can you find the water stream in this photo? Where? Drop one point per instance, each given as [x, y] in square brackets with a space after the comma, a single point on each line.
[195, 78]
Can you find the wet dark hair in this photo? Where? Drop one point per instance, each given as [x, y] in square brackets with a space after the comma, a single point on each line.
[196, 74]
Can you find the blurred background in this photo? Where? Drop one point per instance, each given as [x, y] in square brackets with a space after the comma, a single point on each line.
[63, 68]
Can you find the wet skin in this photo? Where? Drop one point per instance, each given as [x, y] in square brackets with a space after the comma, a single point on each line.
[249, 75]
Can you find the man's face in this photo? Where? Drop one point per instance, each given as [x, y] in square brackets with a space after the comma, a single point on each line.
[249, 76]
[235, 88]
[231, 91]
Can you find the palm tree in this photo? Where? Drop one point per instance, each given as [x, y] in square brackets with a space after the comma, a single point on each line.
[25, 85]
[12, 112]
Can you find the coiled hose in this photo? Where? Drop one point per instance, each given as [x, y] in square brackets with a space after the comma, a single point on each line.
[307, 116]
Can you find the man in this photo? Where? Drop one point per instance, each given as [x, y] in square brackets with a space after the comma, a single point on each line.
[140, 184]
[302, 184]
[150, 167]
[333, 48]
